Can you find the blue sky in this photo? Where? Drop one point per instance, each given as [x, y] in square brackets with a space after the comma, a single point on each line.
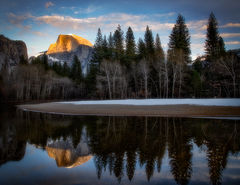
[38, 23]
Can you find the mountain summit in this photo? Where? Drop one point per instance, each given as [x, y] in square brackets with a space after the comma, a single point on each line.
[67, 43]
[68, 46]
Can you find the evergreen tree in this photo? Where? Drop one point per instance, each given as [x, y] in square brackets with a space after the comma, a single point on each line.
[57, 67]
[98, 48]
[65, 69]
[94, 64]
[91, 80]
[22, 60]
[180, 38]
[213, 39]
[105, 47]
[110, 46]
[141, 49]
[159, 53]
[45, 62]
[118, 43]
[76, 70]
[195, 83]
[130, 46]
[221, 47]
[99, 39]
[149, 43]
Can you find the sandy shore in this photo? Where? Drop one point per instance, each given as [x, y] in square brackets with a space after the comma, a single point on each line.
[131, 110]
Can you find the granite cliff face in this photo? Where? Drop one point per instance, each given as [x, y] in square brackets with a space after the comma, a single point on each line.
[67, 46]
[11, 52]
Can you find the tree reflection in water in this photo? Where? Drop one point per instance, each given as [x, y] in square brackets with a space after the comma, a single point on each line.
[119, 144]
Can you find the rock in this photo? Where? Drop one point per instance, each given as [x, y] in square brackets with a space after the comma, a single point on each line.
[67, 46]
[11, 52]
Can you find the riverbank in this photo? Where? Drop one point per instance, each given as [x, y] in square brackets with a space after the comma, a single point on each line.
[125, 108]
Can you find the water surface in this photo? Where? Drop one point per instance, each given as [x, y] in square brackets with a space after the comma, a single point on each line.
[38, 148]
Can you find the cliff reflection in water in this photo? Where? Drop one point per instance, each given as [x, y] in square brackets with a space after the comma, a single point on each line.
[119, 144]
[66, 155]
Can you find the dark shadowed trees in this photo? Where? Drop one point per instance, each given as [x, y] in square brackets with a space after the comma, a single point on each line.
[130, 55]
[118, 43]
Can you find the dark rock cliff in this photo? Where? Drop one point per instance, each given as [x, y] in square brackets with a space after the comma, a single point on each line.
[11, 52]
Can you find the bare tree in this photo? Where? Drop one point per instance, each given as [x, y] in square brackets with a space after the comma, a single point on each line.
[159, 67]
[143, 69]
[106, 75]
[166, 79]
[111, 73]
[177, 61]
[228, 66]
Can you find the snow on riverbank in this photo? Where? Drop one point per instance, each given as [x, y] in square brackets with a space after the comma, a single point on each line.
[203, 102]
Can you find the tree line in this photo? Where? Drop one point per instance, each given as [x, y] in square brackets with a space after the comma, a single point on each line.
[122, 68]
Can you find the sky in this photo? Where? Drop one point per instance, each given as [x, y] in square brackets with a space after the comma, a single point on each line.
[38, 23]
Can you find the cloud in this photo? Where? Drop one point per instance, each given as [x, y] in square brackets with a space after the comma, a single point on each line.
[38, 33]
[18, 20]
[223, 35]
[198, 36]
[89, 9]
[170, 14]
[229, 25]
[106, 22]
[48, 4]
[230, 35]
[232, 42]
[197, 50]
[199, 25]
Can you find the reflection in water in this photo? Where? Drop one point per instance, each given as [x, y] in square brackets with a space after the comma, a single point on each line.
[12, 148]
[120, 144]
[66, 155]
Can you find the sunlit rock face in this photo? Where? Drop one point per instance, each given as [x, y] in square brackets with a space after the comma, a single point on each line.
[10, 52]
[67, 46]
[67, 43]
[66, 155]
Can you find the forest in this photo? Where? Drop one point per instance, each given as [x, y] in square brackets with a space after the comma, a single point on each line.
[123, 68]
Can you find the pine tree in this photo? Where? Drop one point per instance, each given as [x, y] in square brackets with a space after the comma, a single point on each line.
[94, 64]
[159, 53]
[76, 70]
[110, 45]
[149, 43]
[118, 43]
[158, 66]
[45, 62]
[105, 47]
[99, 39]
[212, 41]
[221, 47]
[65, 69]
[22, 60]
[180, 38]
[141, 49]
[98, 48]
[130, 46]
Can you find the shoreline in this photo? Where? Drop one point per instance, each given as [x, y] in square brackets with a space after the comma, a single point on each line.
[134, 110]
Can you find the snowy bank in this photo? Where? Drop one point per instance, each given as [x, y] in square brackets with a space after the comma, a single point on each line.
[235, 102]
